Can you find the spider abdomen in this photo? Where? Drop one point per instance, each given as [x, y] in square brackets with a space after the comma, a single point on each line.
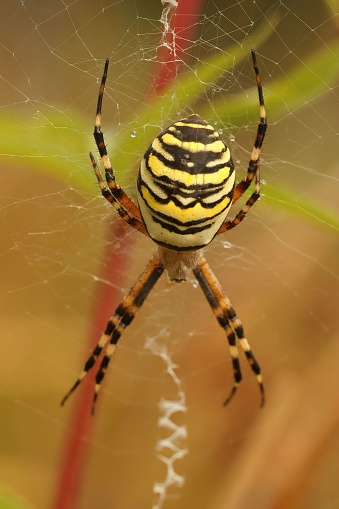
[185, 185]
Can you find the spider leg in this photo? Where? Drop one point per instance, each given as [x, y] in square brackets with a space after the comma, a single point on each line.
[123, 316]
[232, 223]
[228, 320]
[253, 170]
[132, 220]
[117, 197]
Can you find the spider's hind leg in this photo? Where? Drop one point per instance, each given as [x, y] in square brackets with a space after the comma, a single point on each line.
[228, 320]
[122, 317]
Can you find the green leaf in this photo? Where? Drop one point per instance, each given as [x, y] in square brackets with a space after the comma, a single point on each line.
[295, 88]
[50, 142]
[288, 200]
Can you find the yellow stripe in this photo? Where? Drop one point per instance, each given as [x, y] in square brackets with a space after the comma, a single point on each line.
[158, 147]
[193, 146]
[194, 126]
[160, 170]
[225, 157]
[191, 214]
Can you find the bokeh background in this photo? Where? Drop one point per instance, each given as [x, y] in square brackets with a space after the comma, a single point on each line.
[279, 268]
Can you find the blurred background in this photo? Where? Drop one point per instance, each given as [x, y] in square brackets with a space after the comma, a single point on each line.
[66, 260]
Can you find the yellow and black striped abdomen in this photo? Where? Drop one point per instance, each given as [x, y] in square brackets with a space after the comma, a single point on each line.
[185, 185]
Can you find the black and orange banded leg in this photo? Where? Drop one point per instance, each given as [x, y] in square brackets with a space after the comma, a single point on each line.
[123, 316]
[228, 320]
[114, 194]
[126, 215]
[232, 223]
[253, 170]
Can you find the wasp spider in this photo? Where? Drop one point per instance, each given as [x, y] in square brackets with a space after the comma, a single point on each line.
[186, 186]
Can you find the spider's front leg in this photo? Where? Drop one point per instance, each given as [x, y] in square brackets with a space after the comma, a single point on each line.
[114, 194]
[124, 206]
[253, 170]
[232, 223]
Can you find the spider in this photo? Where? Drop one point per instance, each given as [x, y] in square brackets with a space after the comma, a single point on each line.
[185, 188]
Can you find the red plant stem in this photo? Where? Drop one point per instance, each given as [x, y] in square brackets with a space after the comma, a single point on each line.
[115, 262]
[77, 444]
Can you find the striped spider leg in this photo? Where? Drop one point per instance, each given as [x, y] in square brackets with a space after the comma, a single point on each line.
[127, 210]
[228, 320]
[253, 171]
[123, 316]
[185, 189]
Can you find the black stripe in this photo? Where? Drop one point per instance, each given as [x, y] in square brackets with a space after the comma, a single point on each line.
[169, 221]
[200, 159]
[192, 134]
[253, 362]
[151, 280]
[193, 119]
[181, 248]
[172, 198]
[188, 231]
[211, 298]
[260, 134]
[183, 155]
[208, 191]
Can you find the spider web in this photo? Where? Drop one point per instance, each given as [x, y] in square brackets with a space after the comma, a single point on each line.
[161, 437]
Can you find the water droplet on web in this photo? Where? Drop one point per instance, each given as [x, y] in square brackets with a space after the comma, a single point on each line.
[232, 138]
[226, 244]
[133, 134]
